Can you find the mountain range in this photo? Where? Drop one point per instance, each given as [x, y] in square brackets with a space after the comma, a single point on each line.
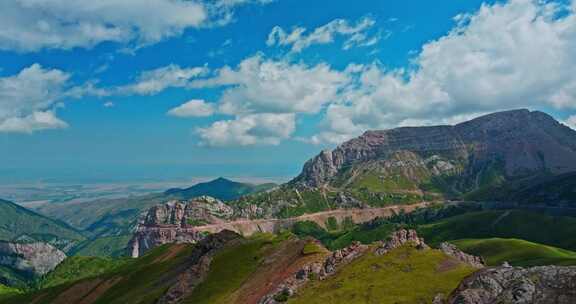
[493, 157]
[406, 215]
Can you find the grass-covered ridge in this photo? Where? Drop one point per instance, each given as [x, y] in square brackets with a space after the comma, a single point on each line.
[557, 231]
[18, 223]
[229, 269]
[237, 271]
[141, 281]
[516, 252]
[365, 233]
[108, 246]
[6, 292]
[76, 268]
[405, 275]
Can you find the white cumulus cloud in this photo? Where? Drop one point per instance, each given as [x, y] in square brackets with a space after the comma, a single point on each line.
[258, 85]
[154, 81]
[246, 130]
[31, 25]
[31, 123]
[507, 55]
[193, 108]
[356, 34]
[264, 96]
[28, 99]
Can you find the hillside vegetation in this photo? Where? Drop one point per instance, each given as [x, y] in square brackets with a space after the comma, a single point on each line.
[535, 227]
[21, 224]
[6, 292]
[76, 268]
[108, 246]
[516, 252]
[141, 281]
[405, 275]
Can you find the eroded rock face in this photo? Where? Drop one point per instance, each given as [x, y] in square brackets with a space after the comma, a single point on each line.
[399, 238]
[461, 256]
[174, 222]
[516, 285]
[200, 210]
[170, 223]
[34, 259]
[523, 142]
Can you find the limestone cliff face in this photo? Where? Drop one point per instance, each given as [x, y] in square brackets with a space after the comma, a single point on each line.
[200, 210]
[516, 285]
[174, 222]
[521, 142]
[34, 259]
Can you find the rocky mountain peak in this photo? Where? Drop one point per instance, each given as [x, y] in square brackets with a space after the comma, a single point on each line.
[521, 142]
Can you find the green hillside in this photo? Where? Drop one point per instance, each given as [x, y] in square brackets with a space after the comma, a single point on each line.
[18, 223]
[108, 246]
[105, 216]
[143, 280]
[6, 292]
[14, 278]
[366, 233]
[405, 275]
[140, 281]
[77, 268]
[516, 252]
[535, 227]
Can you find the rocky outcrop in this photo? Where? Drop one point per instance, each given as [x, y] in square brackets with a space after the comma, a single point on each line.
[150, 233]
[33, 259]
[314, 271]
[198, 265]
[174, 222]
[516, 285]
[200, 210]
[522, 142]
[399, 238]
[461, 256]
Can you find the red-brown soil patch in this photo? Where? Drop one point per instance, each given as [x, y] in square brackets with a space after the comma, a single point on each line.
[172, 252]
[78, 291]
[283, 263]
[447, 264]
[95, 294]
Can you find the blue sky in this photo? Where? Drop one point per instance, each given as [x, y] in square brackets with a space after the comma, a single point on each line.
[113, 90]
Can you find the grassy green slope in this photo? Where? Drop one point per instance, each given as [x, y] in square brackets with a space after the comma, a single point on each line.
[6, 292]
[19, 222]
[15, 278]
[140, 281]
[104, 215]
[534, 227]
[110, 246]
[77, 268]
[405, 275]
[145, 279]
[229, 269]
[516, 252]
[366, 233]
